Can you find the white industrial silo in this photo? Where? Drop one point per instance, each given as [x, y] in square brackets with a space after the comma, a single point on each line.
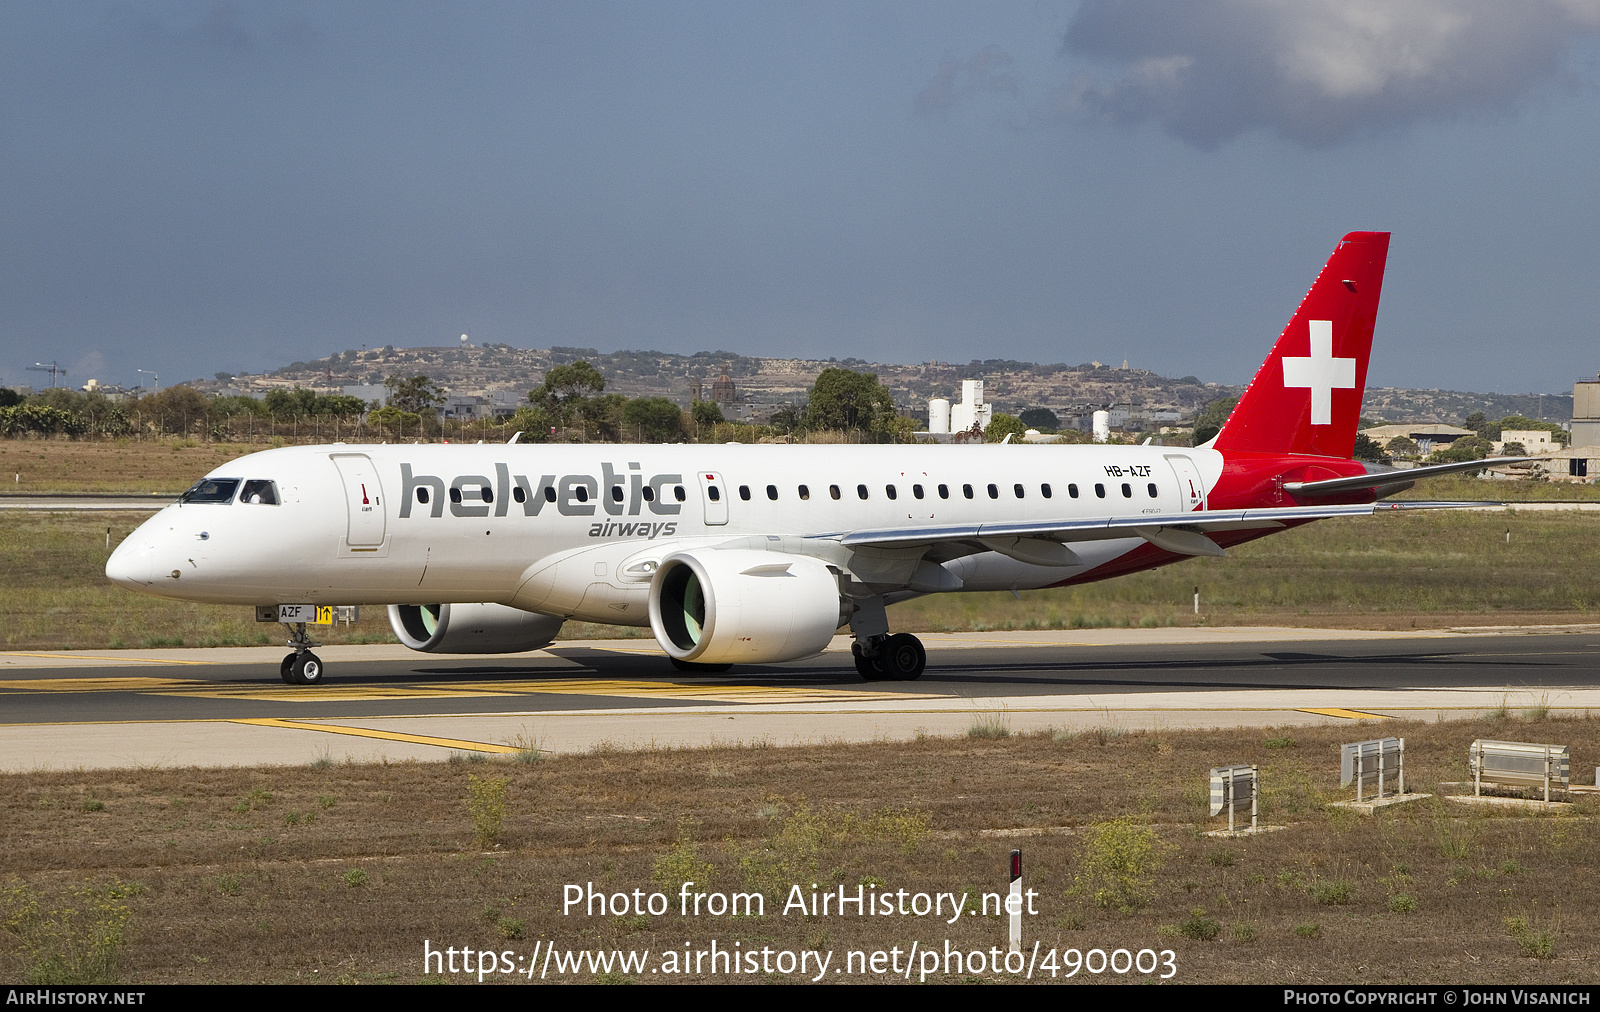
[1102, 426]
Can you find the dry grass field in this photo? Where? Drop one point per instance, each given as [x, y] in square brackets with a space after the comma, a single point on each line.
[1388, 572]
[340, 873]
[116, 467]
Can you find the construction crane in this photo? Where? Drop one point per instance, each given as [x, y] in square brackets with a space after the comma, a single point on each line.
[53, 369]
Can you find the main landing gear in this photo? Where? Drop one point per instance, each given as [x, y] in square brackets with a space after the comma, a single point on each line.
[878, 655]
[301, 667]
[897, 658]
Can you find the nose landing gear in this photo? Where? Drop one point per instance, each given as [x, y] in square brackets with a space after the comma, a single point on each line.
[301, 667]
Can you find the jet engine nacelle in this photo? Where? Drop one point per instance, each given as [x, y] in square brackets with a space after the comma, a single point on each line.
[740, 606]
[471, 628]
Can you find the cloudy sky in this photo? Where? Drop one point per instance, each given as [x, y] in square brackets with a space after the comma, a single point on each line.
[188, 187]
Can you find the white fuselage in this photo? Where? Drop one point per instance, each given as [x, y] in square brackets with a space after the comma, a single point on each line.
[576, 530]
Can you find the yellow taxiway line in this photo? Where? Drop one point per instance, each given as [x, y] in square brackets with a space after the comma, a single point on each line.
[363, 732]
[110, 660]
[1339, 711]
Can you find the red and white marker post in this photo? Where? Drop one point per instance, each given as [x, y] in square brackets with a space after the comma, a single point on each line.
[1014, 901]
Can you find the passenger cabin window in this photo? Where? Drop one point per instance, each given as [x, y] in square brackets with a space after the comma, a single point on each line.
[422, 494]
[714, 492]
[966, 490]
[581, 493]
[944, 491]
[994, 491]
[1127, 491]
[679, 494]
[261, 492]
[744, 492]
[1018, 490]
[616, 493]
[1152, 488]
[455, 494]
[772, 491]
[1099, 490]
[1044, 490]
[833, 490]
[549, 493]
[889, 491]
[519, 495]
[916, 490]
[211, 490]
[649, 492]
[1072, 489]
[805, 492]
[861, 490]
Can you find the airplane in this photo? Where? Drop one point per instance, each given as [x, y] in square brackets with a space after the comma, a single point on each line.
[752, 554]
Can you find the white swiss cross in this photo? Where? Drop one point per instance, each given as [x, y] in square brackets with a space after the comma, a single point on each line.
[1321, 372]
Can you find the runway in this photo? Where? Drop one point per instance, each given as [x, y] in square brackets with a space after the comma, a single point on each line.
[227, 707]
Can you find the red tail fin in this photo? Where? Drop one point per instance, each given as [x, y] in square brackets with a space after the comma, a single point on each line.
[1307, 395]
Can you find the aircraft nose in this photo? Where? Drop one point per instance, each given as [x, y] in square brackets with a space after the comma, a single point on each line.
[131, 565]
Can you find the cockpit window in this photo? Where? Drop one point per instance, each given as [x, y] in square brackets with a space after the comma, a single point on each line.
[214, 490]
[260, 490]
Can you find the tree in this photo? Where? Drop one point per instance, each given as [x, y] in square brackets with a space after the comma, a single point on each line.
[60, 398]
[535, 423]
[707, 413]
[175, 409]
[391, 418]
[786, 420]
[1211, 418]
[1042, 419]
[340, 405]
[235, 405]
[653, 419]
[601, 416]
[847, 400]
[1001, 426]
[565, 384]
[414, 395]
[566, 391]
[1368, 449]
[1464, 449]
[285, 405]
[1402, 446]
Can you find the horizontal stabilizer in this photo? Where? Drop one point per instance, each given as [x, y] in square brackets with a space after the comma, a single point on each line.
[1394, 476]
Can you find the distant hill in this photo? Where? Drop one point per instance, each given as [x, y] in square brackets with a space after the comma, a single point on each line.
[768, 383]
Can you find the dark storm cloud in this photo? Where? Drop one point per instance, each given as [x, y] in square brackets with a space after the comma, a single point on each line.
[1313, 71]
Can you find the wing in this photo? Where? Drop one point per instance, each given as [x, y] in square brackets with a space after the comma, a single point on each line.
[1184, 533]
